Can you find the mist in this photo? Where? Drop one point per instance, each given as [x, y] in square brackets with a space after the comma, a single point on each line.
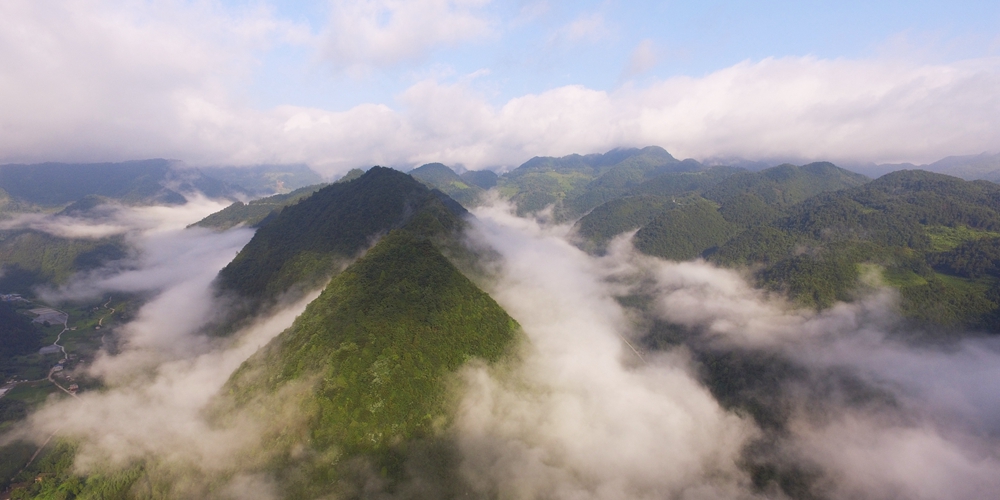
[166, 369]
[617, 390]
[598, 409]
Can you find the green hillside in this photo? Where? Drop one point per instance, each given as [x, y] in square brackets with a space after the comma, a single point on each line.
[619, 216]
[379, 345]
[815, 231]
[785, 185]
[18, 336]
[29, 258]
[643, 203]
[743, 199]
[253, 213]
[929, 235]
[685, 232]
[305, 243]
[53, 184]
[484, 179]
[543, 181]
[265, 179]
[439, 176]
[621, 178]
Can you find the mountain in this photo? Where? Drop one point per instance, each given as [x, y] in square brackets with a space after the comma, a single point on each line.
[646, 164]
[740, 198]
[543, 181]
[264, 179]
[817, 232]
[643, 203]
[484, 179]
[983, 166]
[156, 181]
[931, 236]
[439, 176]
[255, 212]
[685, 232]
[785, 185]
[29, 258]
[378, 350]
[304, 244]
[143, 182]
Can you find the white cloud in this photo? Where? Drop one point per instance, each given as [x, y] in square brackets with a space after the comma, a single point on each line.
[644, 57]
[114, 80]
[581, 417]
[587, 27]
[366, 34]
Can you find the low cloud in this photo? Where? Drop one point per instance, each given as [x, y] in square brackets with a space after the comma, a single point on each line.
[369, 34]
[82, 88]
[583, 416]
[588, 27]
[589, 407]
[112, 219]
[863, 409]
[166, 371]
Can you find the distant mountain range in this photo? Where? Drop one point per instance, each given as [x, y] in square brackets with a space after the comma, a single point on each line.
[367, 367]
[144, 182]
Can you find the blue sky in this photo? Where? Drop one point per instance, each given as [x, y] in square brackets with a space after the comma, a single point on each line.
[488, 84]
[533, 45]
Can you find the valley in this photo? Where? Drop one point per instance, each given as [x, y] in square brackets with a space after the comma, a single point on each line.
[435, 334]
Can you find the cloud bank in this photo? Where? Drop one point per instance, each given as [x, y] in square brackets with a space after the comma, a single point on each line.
[109, 80]
[167, 371]
[862, 410]
[749, 397]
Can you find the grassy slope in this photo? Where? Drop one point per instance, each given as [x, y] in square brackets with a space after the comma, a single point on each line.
[380, 342]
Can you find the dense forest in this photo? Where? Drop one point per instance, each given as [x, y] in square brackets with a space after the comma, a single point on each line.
[303, 244]
[383, 338]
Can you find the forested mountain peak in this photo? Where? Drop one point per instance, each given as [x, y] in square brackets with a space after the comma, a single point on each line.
[440, 176]
[786, 184]
[304, 242]
[379, 344]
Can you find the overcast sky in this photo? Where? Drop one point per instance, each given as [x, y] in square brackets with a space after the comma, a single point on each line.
[484, 83]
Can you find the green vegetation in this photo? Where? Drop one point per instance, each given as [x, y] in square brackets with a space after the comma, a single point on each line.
[484, 179]
[645, 202]
[438, 176]
[810, 231]
[379, 346]
[685, 232]
[254, 213]
[29, 258]
[54, 184]
[626, 175]
[785, 185]
[543, 181]
[619, 216]
[265, 179]
[51, 476]
[351, 174]
[302, 245]
[944, 238]
[907, 224]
